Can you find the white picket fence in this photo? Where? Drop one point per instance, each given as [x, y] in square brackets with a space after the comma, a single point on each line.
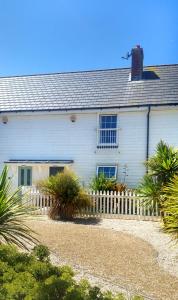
[125, 205]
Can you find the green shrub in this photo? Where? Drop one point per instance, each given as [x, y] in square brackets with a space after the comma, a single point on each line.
[39, 270]
[69, 197]
[41, 252]
[101, 183]
[20, 287]
[40, 280]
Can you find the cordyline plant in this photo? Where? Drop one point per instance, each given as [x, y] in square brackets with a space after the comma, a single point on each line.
[164, 164]
[161, 169]
[69, 198]
[12, 215]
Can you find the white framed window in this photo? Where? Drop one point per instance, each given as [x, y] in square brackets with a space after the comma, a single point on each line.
[107, 131]
[108, 171]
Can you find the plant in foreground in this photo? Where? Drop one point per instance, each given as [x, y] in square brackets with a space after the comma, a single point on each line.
[24, 277]
[13, 214]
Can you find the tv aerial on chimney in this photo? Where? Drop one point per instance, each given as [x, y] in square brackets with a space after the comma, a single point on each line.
[127, 56]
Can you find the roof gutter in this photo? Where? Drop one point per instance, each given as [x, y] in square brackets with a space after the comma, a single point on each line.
[90, 108]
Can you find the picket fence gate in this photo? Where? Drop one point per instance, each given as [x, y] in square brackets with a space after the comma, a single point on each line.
[125, 205]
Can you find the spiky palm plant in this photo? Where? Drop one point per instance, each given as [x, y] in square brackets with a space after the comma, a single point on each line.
[149, 190]
[161, 168]
[13, 214]
[164, 164]
[170, 207]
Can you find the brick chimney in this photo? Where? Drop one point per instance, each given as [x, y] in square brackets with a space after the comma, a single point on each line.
[137, 63]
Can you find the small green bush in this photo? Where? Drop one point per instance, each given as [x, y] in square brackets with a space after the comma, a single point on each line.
[41, 252]
[101, 183]
[26, 277]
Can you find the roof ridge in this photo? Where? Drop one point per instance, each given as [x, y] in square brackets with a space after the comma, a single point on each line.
[82, 71]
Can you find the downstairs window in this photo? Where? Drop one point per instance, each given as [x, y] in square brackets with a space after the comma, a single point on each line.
[54, 170]
[108, 171]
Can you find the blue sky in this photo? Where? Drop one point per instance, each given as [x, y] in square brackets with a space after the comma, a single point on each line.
[42, 36]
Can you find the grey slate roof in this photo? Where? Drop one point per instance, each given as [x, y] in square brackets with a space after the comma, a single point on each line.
[88, 89]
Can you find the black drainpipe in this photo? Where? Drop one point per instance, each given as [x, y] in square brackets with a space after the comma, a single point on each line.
[148, 134]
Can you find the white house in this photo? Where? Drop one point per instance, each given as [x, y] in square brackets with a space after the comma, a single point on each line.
[94, 121]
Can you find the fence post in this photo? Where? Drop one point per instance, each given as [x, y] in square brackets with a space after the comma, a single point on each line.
[107, 205]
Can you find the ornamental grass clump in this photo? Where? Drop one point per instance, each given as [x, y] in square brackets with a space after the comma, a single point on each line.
[69, 198]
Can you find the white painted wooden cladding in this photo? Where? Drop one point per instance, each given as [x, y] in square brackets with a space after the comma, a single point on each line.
[163, 125]
[108, 136]
[54, 136]
[103, 204]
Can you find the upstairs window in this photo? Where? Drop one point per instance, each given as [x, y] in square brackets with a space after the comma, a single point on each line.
[108, 171]
[108, 131]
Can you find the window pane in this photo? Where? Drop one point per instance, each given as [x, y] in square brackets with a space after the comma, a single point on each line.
[28, 177]
[54, 170]
[22, 173]
[108, 121]
[108, 137]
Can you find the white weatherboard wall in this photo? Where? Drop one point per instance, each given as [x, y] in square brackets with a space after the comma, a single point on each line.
[54, 136]
[163, 125]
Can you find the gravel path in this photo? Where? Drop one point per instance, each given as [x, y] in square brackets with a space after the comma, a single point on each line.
[120, 254]
[150, 232]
